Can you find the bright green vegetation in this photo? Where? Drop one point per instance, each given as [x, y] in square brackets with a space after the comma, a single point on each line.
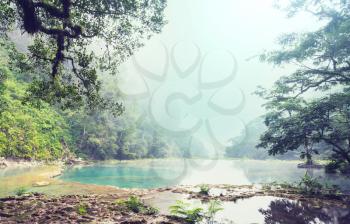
[52, 102]
[103, 136]
[62, 50]
[25, 131]
[196, 214]
[183, 210]
[214, 207]
[204, 189]
[37, 130]
[20, 191]
[296, 122]
[82, 209]
[134, 203]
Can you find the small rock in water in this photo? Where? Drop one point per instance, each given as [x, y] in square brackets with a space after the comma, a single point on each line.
[41, 184]
[3, 165]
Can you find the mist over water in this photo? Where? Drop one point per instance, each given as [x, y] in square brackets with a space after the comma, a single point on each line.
[200, 73]
[232, 111]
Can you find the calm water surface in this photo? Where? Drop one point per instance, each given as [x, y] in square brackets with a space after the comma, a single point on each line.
[169, 172]
[161, 173]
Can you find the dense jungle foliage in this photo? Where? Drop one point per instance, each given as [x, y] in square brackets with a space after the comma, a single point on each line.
[45, 132]
[63, 33]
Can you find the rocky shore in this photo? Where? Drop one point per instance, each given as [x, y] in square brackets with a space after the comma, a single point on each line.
[104, 208]
[236, 192]
[20, 163]
[23, 163]
[39, 208]
[20, 173]
[70, 202]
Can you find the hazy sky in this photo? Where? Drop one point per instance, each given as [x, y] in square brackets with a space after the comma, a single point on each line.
[205, 33]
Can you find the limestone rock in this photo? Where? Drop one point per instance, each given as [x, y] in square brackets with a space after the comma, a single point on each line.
[41, 184]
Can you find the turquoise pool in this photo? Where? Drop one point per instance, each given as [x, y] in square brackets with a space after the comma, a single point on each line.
[169, 172]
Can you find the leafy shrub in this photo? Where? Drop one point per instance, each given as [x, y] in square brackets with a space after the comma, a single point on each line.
[204, 189]
[20, 191]
[214, 207]
[151, 210]
[134, 204]
[183, 210]
[310, 185]
[82, 209]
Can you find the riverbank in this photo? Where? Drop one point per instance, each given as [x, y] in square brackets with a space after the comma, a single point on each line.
[109, 208]
[22, 163]
[42, 176]
[113, 176]
[39, 208]
[43, 179]
[224, 192]
[12, 163]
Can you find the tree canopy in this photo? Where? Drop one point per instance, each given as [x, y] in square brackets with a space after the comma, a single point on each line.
[49, 133]
[323, 60]
[75, 40]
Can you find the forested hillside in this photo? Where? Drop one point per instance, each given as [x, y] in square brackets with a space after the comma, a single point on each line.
[26, 131]
[36, 130]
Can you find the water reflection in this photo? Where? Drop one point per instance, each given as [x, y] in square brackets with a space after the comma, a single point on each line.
[260, 210]
[295, 212]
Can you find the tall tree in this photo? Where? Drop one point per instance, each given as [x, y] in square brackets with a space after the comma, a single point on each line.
[322, 120]
[323, 60]
[74, 40]
[289, 130]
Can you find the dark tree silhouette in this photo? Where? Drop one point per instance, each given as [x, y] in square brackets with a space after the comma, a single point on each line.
[74, 40]
[291, 212]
